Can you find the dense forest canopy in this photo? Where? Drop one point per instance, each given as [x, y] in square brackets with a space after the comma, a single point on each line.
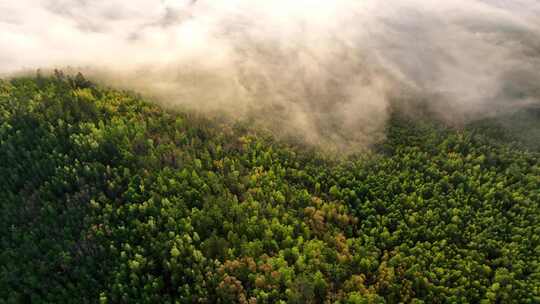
[107, 198]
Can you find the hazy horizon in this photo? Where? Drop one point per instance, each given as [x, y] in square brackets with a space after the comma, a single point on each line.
[327, 71]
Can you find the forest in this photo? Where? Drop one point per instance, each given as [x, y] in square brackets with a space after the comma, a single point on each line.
[106, 197]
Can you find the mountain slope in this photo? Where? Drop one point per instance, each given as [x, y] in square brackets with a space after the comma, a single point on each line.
[104, 196]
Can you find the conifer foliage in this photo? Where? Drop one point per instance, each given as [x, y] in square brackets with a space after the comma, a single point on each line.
[107, 198]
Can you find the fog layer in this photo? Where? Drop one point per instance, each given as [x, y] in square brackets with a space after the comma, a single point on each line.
[326, 71]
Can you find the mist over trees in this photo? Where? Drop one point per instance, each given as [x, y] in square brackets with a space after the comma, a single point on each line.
[326, 71]
[241, 151]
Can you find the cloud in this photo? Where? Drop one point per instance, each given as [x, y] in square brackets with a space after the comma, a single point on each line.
[325, 71]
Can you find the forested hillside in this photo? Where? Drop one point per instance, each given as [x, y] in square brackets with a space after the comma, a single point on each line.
[107, 198]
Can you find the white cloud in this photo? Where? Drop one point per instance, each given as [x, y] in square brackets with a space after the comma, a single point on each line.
[326, 68]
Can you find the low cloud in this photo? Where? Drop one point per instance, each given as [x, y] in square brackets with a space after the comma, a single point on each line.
[325, 71]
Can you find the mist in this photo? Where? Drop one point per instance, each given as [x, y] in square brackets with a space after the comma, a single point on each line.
[328, 72]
